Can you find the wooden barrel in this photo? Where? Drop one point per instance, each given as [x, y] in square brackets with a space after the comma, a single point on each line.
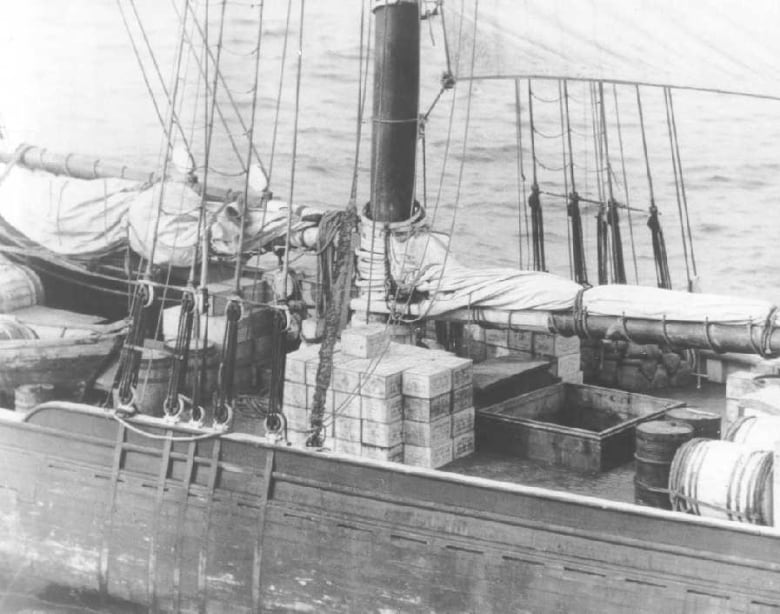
[705, 424]
[722, 479]
[153, 376]
[11, 328]
[212, 365]
[656, 444]
[19, 287]
[756, 432]
[28, 396]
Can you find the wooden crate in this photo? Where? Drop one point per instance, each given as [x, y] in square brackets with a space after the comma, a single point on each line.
[586, 428]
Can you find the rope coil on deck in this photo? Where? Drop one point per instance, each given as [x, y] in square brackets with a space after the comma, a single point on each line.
[375, 256]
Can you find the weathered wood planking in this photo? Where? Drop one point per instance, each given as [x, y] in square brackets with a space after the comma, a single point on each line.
[198, 527]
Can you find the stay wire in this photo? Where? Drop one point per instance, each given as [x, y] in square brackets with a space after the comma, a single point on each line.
[522, 210]
[682, 181]
[233, 105]
[250, 138]
[156, 65]
[167, 156]
[363, 63]
[286, 265]
[660, 256]
[534, 201]
[279, 93]
[565, 175]
[619, 271]
[148, 85]
[677, 188]
[201, 61]
[625, 182]
[573, 203]
[602, 236]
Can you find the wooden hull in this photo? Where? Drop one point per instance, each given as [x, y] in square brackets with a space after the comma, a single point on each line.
[233, 524]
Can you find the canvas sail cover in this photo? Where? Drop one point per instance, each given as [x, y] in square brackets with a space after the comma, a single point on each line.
[85, 220]
[421, 260]
[716, 45]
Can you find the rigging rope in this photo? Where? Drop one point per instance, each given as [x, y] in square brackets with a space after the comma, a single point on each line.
[522, 211]
[143, 296]
[279, 93]
[335, 247]
[565, 175]
[534, 202]
[682, 181]
[659, 243]
[602, 234]
[286, 265]
[365, 51]
[618, 266]
[675, 168]
[625, 182]
[250, 137]
[573, 205]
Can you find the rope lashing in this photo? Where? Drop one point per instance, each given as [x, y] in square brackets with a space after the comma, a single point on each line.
[537, 228]
[766, 335]
[534, 201]
[580, 315]
[602, 246]
[337, 300]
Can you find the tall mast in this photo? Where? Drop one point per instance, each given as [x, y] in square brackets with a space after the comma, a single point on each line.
[395, 116]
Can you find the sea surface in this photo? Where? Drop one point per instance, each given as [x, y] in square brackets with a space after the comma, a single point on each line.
[71, 83]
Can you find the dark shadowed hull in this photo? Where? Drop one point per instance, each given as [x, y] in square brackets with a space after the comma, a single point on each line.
[233, 524]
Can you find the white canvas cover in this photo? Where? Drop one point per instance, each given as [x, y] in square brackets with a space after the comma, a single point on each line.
[86, 219]
[420, 260]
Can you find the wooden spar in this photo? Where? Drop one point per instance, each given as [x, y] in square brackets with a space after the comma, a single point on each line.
[89, 167]
[717, 336]
[76, 165]
[396, 95]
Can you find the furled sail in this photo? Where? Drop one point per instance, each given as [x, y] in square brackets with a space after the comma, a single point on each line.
[85, 220]
[715, 45]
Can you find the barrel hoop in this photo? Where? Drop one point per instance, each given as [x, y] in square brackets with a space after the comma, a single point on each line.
[745, 486]
[651, 461]
[653, 489]
[736, 427]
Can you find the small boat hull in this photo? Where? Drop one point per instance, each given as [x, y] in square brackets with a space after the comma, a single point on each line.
[234, 524]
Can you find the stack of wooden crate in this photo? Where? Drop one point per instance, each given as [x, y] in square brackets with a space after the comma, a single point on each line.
[562, 353]
[386, 401]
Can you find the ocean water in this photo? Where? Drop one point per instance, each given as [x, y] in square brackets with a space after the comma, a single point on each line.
[72, 83]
